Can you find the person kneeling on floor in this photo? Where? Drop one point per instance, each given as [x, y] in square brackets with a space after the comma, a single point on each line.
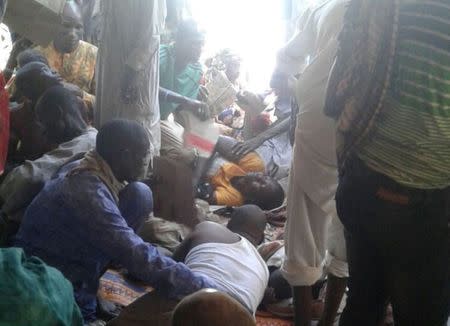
[84, 219]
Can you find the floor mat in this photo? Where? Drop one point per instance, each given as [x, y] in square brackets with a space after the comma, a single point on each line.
[270, 321]
[117, 289]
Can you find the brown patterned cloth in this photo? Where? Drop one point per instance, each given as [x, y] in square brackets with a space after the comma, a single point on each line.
[77, 67]
[173, 192]
[362, 71]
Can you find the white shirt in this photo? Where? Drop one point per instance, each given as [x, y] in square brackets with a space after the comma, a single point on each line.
[237, 268]
[311, 54]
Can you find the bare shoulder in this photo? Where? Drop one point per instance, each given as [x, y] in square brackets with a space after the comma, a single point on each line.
[206, 232]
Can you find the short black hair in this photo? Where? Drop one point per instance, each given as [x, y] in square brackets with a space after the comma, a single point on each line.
[119, 135]
[271, 197]
[33, 79]
[30, 55]
[248, 220]
[60, 112]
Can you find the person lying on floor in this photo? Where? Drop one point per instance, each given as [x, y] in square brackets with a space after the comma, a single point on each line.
[58, 114]
[226, 255]
[239, 182]
[86, 218]
[237, 266]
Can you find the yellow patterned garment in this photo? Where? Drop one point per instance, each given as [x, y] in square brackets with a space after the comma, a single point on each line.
[225, 193]
[77, 67]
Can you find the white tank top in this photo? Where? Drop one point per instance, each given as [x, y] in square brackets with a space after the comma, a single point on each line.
[237, 268]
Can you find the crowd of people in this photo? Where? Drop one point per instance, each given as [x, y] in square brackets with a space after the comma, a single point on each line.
[346, 155]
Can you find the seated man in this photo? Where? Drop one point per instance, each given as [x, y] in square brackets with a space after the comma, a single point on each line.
[32, 80]
[84, 219]
[58, 113]
[227, 255]
[25, 57]
[26, 140]
[71, 57]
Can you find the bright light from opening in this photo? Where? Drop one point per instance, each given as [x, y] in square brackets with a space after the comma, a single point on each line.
[253, 28]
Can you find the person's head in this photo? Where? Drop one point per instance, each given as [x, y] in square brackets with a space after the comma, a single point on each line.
[248, 221]
[70, 30]
[58, 111]
[232, 63]
[189, 40]
[260, 190]
[125, 146]
[210, 307]
[30, 55]
[33, 79]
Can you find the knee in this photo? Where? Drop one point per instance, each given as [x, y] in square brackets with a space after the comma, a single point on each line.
[136, 196]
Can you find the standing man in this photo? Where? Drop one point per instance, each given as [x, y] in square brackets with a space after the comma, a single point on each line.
[390, 94]
[313, 227]
[128, 65]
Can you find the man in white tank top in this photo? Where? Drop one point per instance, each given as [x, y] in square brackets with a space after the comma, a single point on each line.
[228, 255]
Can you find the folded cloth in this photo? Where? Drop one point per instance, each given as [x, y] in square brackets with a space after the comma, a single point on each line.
[163, 233]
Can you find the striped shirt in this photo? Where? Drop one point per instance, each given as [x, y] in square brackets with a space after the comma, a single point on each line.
[411, 139]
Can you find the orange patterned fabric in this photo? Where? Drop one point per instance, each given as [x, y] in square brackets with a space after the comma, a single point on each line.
[77, 67]
[225, 193]
[252, 162]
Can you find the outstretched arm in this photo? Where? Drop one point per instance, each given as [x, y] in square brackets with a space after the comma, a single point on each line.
[111, 234]
[197, 107]
[242, 149]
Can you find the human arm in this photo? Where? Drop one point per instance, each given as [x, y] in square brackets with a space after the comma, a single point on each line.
[148, 21]
[111, 235]
[199, 108]
[183, 249]
[23, 183]
[243, 148]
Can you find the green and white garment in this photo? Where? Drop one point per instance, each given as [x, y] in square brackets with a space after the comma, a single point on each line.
[410, 140]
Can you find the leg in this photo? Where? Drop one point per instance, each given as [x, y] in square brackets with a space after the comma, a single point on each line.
[303, 301]
[305, 239]
[149, 309]
[135, 204]
[359, 210]
[367, 295]
[335, 291]
[420, 264]
[337, 268]
[280, 286]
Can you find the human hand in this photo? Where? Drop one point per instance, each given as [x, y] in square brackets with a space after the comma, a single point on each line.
[243, 148]
[200, 109]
